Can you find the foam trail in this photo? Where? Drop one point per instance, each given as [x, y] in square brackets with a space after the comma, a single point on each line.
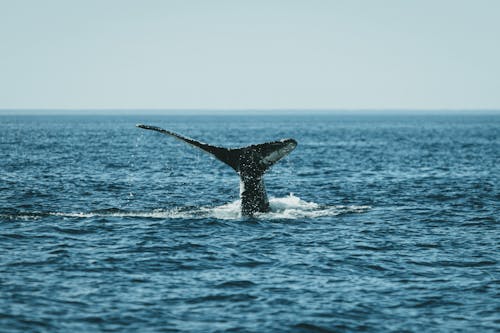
[292, 207]
[289, 207]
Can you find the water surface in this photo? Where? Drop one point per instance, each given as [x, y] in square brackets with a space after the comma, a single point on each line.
[379, 224]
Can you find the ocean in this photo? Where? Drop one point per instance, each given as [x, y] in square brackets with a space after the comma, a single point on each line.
[379, 223]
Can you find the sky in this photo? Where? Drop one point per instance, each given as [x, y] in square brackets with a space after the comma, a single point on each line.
[241, 55]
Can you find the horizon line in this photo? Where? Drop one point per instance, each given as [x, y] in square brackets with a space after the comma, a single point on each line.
[244, 109]
[236, 111]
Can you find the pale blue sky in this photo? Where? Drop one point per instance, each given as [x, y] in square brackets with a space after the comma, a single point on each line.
[251, 54]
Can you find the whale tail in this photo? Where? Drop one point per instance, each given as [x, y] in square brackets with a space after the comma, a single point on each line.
[249, 162]
[252, 160]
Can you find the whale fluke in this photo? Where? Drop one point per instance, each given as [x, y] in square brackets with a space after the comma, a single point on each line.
[249, 162]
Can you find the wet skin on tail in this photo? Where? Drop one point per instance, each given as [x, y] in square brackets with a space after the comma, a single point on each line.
[249, 162]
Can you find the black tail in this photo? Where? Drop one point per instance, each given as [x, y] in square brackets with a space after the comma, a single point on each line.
[256, 158]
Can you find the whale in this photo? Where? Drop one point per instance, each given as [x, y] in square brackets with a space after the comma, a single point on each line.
[250, 163]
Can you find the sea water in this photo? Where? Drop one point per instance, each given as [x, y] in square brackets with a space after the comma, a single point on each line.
[379, 223]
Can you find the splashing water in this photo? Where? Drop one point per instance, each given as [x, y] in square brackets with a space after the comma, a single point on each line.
[289, 207]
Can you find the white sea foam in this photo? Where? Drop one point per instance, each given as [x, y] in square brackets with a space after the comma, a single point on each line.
[172, 213]
[289, 207]
[292, 207]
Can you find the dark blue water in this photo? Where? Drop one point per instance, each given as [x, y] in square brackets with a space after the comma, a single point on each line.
[379, 224]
